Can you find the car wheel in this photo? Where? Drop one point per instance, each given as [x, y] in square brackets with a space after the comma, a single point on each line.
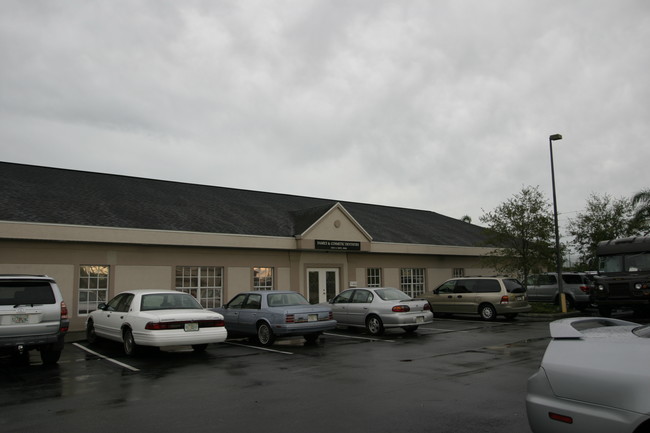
[50, 356]
[487, 312]
[130, 348]
[410, 329]
[91, 336]
[265, 334]
[199, 347]
[312, 338]
[374, 325]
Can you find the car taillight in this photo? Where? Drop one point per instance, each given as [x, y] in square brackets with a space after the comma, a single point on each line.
[330, 316]
[289, 318]
[401, 308]
[505, 299]
[585, 289]
[561, 418]
[427, 307]
[64, 315]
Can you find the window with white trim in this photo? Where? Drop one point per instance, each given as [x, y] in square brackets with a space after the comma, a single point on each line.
[262, 278]
[205, 283]
[373, 277]
[93, 287]
[412, 281]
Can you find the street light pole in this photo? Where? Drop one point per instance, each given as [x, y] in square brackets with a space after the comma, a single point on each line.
[558, 259]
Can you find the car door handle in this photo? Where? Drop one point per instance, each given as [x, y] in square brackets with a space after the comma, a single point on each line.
[459, 296]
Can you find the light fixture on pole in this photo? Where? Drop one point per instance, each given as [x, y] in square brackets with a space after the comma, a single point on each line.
[558, 257]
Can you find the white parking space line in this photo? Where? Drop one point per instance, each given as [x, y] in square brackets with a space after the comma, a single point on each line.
[357, 338]
[114, 361]
[259, 348]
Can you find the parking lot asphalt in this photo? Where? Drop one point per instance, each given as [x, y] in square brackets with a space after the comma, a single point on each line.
[454, 375]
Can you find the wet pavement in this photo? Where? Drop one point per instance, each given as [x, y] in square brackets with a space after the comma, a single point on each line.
[455, 375]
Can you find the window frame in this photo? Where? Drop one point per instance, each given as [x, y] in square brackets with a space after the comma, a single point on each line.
[205, 283]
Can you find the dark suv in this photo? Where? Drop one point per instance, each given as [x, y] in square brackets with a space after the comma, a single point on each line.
[32, 316]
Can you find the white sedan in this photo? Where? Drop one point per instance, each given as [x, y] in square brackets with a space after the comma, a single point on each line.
[594, 378]
[157, 318]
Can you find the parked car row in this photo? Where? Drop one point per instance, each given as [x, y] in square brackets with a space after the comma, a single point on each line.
[161, 318]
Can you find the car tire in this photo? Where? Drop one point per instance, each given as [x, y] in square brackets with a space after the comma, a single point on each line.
[410, 329]
[199, 348]
[130, 347]
[265, 334]
[374, 325]
[91, 336]
[487, 312]
[49, 355]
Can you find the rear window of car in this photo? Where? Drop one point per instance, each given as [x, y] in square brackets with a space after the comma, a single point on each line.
[392, 295]
[514, 286]
[286, 300]
[26, 293]
[169, 302]
[572, 279]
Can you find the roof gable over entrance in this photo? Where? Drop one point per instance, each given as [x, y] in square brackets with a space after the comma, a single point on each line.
[336, 223]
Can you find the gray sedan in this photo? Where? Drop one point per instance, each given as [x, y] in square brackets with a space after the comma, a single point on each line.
[380, 307]
[267, 314]
[593, 378]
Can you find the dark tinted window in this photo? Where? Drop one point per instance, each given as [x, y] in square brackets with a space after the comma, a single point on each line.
[26, 293]
[514, 286]
[488, 286]
[362, 297]
[344, 297]
[572, 279]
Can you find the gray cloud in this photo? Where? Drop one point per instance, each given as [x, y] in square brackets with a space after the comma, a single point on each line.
[439, 105]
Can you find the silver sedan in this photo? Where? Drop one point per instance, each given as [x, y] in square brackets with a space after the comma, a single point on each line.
[593, 378]
[379, 308]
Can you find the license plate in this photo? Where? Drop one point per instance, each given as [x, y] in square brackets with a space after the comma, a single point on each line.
[191, 327]
[312, 318]
[419, 319]
[19, 318]
[520, 298]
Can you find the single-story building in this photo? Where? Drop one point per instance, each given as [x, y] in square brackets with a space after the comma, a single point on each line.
[100, 234]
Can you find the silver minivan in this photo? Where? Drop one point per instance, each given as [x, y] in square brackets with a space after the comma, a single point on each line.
[544, 288]
[32, 316]
[485, 296]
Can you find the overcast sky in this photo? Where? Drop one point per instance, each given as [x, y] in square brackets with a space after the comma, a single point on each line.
[438, 105]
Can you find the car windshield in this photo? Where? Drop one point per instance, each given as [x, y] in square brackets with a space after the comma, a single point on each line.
[169, 301]
[625, 263]
[642, 331]
[514, 286]
[286, 299]
[392, 295]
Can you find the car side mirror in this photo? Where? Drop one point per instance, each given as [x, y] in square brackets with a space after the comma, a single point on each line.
[102, 306]
[436, 292]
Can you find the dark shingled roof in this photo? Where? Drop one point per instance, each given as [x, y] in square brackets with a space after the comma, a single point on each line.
[51, 195]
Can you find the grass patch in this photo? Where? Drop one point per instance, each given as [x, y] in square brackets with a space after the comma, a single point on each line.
[546, 308]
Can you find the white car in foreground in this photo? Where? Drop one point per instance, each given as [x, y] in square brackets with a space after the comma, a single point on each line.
[594, 377]
[158, 318]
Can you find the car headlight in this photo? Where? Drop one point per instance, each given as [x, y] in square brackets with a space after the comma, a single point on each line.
[641, 286]
[600, 287]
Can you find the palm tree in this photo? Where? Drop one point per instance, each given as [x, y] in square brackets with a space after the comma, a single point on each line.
[641, 203]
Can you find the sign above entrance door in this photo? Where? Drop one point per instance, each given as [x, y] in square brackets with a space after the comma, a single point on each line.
[338, 245]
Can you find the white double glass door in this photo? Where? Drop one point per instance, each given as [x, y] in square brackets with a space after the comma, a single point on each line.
[323, 284]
